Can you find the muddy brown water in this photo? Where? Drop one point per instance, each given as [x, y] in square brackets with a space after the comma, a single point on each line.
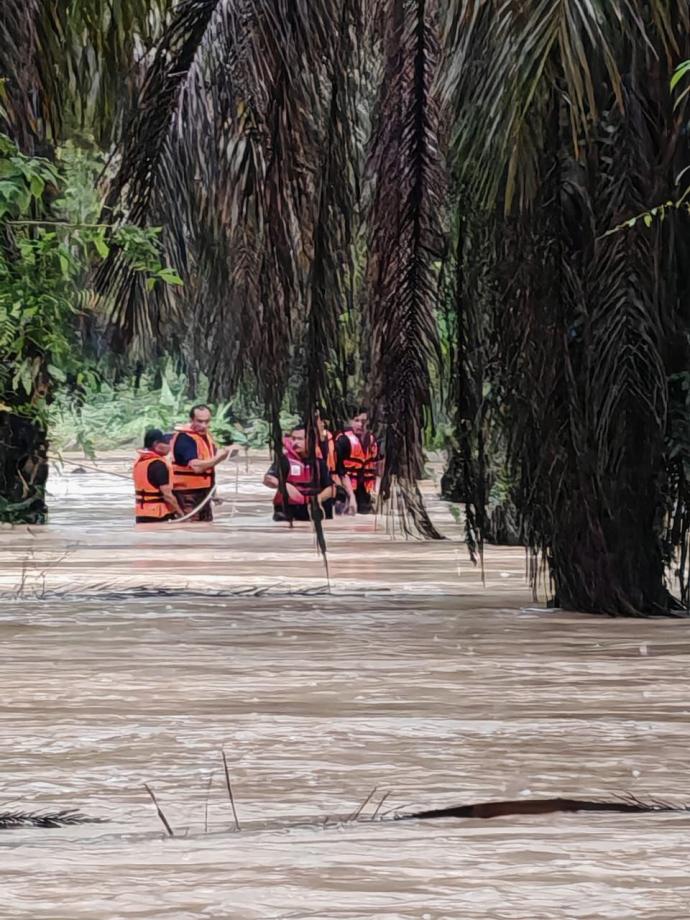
[410, 676]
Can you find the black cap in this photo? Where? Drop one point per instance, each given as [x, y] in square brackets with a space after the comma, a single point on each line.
[155, 436]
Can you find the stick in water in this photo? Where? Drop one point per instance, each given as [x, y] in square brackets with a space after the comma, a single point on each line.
[378, 807]
[208, 793]
[160, 813]
[232, 797]
[358, 812]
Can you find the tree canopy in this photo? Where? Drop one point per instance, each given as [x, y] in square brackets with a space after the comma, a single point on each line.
[407, 198]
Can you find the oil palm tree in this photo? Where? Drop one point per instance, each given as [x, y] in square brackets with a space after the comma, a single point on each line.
[564, 129]
[248, 148]
[270, 138]
[66, 66]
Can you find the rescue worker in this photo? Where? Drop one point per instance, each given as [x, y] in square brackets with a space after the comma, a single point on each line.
[302, 478]
[154, 500]
[195, 458]
[357, 464]
[325, 448]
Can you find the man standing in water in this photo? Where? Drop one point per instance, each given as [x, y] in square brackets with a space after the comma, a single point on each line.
[195, 458]
[357, 463]
[302, 479]
[154, 500]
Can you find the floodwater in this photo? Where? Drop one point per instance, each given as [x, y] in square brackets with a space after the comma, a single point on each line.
[410, 678]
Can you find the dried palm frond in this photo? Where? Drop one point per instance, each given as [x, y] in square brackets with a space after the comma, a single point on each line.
[225, 154]
[64, 818]
[405, 241]
[332, 267]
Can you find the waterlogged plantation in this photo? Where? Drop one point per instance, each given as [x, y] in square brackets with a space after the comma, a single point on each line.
[344, 458]
[410, 686]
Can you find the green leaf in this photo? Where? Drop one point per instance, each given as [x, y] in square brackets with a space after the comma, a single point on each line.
[57, 373]
[170, 276]
[8, 189]
[679, 73]
[23, 376]
[37, 186]
[101, 247]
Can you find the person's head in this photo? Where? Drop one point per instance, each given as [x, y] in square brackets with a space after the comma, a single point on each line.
[200, 418]
[359, 420]
[321, 420]
[159, 443]
[298, 437]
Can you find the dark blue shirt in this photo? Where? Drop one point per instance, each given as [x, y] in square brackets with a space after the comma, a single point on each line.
[185, 449]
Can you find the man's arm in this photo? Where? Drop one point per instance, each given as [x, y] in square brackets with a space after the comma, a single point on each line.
[327, 493]
[159, 477]
[200, 466]
[272, 482]
[170, 500]
[185, 454]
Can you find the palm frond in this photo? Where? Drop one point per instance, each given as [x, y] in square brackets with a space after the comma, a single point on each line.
[503, 60]
[591, 322]
[332, 266]
[405, 240]
[18, 115]
[73, 62]
[225, 155]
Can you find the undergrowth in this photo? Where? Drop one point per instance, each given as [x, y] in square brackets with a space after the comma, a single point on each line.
[107, 416]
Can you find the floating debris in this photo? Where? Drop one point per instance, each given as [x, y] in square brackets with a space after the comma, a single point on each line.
[12, 819]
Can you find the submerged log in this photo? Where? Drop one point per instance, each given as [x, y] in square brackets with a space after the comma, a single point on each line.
[487, 810]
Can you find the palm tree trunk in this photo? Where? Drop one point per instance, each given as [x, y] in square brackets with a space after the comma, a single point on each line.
[23, 470]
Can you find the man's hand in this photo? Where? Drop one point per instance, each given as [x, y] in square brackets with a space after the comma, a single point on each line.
[222, 454]
[294, 494]
[351, 506]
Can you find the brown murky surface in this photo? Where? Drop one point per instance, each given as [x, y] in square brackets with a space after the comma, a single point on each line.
[409, 677]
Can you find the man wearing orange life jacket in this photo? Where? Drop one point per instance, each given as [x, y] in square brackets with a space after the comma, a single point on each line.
[357, 463]
[195, 458]
[303, 479]
[154, 501]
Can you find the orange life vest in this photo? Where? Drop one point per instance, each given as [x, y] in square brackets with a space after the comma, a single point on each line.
[299, 474]
[148, 500]
[361, 465]
[185, 479]
[330, 452]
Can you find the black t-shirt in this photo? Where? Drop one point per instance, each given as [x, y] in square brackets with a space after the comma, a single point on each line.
[158, 473]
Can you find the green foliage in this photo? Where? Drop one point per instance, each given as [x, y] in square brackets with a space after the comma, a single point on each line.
[109, 416]
[49, 241]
